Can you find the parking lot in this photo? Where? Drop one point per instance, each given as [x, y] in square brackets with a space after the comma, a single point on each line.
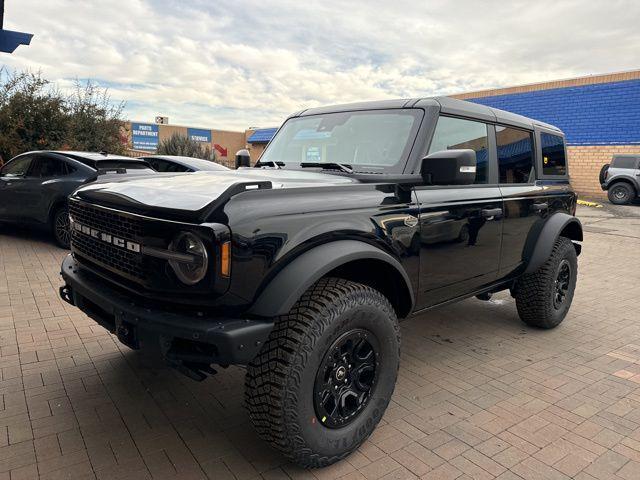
[479, 394]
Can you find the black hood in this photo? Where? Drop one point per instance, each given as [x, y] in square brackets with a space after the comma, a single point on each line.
[199, 191]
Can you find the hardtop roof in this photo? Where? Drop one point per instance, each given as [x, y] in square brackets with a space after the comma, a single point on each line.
[446, 105]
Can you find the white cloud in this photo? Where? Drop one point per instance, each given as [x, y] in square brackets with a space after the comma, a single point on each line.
[231, 64]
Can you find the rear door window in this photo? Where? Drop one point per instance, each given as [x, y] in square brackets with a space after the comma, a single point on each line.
[515, 155]
[48, 168]
[554, 161]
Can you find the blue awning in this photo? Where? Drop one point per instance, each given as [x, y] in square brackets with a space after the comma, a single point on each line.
[9, 40]
[262, 135]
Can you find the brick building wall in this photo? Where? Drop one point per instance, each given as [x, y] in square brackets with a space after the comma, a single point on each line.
[600, 116]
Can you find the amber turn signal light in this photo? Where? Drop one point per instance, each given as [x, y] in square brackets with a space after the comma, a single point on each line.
[225, 259]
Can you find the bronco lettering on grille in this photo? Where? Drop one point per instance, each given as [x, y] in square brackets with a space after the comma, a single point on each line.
[105, 237]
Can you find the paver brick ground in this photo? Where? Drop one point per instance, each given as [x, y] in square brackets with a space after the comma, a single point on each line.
[479, 394]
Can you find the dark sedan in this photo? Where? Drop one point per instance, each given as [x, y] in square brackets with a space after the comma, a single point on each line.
[34, 186]
[176, 163]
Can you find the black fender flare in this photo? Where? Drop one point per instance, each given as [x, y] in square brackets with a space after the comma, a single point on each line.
[543, 236]
[284, 290]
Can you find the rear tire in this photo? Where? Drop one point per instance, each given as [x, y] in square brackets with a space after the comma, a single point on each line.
[324, 378]
[621, 193]
[60, 227]
[543, 297]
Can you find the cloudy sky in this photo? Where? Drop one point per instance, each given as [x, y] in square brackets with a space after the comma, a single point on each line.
[235, 64]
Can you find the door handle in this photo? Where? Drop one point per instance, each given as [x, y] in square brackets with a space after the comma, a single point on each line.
[491, 212]
[539, 207]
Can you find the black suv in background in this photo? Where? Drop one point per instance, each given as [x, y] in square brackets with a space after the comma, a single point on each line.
[356, 216]
[621, 179]
[34, 186]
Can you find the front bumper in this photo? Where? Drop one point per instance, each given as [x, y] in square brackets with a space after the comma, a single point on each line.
[183, 338]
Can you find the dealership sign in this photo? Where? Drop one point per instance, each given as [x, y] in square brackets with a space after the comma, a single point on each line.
[144, 136]
[199, 135]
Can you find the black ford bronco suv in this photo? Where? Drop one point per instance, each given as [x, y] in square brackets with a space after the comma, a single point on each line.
[355, 216]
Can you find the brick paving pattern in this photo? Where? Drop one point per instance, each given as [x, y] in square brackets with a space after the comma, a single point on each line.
[479, 395]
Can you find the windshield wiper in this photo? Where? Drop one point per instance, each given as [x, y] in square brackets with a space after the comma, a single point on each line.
[329, 166]
[273, 163]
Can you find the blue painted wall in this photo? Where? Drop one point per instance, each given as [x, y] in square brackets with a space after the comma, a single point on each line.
[600, 114]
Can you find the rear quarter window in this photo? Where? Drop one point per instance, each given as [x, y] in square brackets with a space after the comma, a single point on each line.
[554, 161]
[624, 162]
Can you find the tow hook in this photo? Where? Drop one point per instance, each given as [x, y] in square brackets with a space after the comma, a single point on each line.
[66, 294]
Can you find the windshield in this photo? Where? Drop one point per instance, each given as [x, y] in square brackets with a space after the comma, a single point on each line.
[371, 141]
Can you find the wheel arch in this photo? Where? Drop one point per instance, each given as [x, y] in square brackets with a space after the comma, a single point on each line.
[623, 179]
[54, 206]
[541, 239]
[349, 259]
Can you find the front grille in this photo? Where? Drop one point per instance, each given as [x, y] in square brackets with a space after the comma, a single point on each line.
[106, 254]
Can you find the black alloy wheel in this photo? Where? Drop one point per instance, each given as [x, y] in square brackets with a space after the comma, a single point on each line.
[346, 378]
[563, 280]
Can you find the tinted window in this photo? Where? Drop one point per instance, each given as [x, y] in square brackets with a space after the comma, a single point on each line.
[553, 158]
[515, 155]
[47, 168]
[116, 164]
[624, 162]
[455, 133]
[166, 166]
[17, 167]
[155, 164]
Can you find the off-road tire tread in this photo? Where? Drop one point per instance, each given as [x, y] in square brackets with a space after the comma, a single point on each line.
[272, 377]
[532, 295]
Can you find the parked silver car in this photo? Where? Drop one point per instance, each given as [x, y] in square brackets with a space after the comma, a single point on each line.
[621, 179]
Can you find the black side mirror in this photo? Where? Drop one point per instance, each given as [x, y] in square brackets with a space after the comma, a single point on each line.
[449, 167]
[243, 159]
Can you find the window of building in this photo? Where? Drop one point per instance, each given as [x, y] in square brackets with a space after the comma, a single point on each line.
[515, 155]
[456, 133]
[554, 161]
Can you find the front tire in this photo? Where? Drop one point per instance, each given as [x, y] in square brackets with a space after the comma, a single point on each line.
[543, 297]
[324, 378]
[621, 193]
[61, 228]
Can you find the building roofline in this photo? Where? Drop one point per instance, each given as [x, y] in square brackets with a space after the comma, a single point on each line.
[551, 84]
[183, 126]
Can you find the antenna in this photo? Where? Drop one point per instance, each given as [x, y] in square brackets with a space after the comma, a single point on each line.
[1, 14]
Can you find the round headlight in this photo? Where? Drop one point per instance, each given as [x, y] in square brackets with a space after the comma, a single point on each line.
[193, 266]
